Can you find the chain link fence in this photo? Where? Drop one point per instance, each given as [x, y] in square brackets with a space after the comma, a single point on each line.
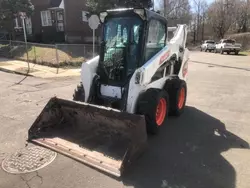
[76, 52]
[53, 55]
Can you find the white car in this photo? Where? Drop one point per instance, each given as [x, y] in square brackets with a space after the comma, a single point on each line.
[208, 45]
[228, 45]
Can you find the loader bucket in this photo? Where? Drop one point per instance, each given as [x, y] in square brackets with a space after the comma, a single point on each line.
[100, 137]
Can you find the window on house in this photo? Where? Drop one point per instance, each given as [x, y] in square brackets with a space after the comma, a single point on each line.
[59, 16]
[85, 15]
[60, 26]
[28, 26]
[156, 38]
[16, 23]
[46, 18]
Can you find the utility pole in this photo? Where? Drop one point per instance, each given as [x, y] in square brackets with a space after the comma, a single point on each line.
[24, 30]
[23, 17]
[165, 8]
[248, 15]
[93, 24]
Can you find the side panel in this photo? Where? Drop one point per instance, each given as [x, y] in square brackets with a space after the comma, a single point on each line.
[134, 92]
[87, 74]
[136, 89]
[177, 42]
[180, 38]
[150, 68]
[142, 78]
[183, 74]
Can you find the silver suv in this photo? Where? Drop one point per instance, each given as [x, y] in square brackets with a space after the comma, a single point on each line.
[208, 45]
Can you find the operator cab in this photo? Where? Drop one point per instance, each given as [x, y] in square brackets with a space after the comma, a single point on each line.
[130, 38]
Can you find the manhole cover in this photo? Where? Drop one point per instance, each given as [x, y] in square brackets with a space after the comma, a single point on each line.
[27, 160]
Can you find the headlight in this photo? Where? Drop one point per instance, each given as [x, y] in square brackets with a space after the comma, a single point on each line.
[138, 77]
[102, 16]
[140, 12]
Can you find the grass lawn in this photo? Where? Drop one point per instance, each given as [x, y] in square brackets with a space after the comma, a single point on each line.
[47, 56]
[247, 53]
[3, 45]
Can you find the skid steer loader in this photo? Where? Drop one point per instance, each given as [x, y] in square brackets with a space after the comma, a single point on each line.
[125, 92]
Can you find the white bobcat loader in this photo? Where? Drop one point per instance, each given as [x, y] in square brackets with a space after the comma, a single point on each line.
[128, 90]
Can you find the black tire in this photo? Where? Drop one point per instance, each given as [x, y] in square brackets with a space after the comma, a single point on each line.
[79, 94]
[174, 96]
[236, 52]
[201, 49]
[228, 53]
[210, 50]
[147, 106]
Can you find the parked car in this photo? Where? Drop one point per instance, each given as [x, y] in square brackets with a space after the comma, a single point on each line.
[208, 45]
[228, 45]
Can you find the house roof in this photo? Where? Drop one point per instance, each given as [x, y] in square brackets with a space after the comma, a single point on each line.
[55, 3]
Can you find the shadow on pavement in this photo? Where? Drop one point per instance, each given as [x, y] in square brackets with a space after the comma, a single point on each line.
[223, 66]
[238, 54]
[187, 154]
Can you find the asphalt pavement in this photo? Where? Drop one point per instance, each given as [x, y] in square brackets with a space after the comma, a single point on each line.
[207, 147]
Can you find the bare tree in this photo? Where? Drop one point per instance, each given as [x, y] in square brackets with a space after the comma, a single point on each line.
[242, 15]
[176, 11]
[204, 8]
[221, 16]
[199, 17]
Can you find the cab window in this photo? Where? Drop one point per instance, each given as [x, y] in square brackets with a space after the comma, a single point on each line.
[156, 39]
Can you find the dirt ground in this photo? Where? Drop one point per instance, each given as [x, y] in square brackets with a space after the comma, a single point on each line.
[207, 147]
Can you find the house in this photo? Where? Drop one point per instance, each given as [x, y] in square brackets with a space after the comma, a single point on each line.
[58, 21]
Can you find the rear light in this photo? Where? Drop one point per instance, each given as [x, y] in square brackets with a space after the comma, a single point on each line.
[138, 77]
[185, 69]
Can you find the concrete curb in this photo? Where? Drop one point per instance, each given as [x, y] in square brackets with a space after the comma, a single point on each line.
[14, 72]
[19, 68]
[40, 72]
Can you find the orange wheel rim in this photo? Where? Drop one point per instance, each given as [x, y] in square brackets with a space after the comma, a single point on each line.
[181, 99]
[161, 111]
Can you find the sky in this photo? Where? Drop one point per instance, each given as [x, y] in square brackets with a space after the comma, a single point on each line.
[209, 1]
[158, 3]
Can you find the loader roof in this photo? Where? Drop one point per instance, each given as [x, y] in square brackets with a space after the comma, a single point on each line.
[147, 14]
